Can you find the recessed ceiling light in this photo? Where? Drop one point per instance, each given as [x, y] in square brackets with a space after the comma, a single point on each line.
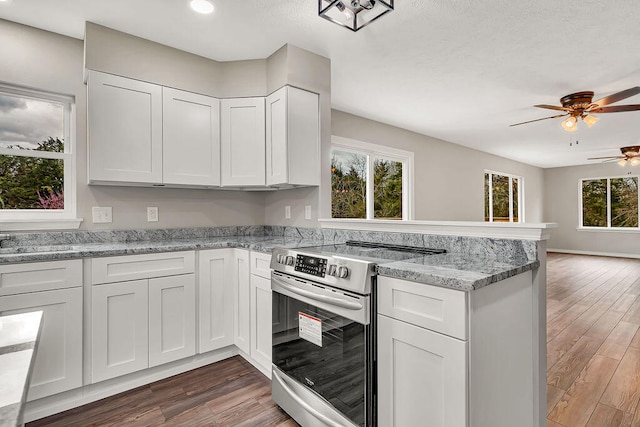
[200, 6]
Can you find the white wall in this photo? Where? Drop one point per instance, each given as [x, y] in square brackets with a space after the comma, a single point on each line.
[562, 192]
[449, 178]
[51, 62]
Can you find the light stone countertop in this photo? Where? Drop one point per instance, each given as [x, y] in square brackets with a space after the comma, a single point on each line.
[450, 270]
[18, 337]
[456, 271]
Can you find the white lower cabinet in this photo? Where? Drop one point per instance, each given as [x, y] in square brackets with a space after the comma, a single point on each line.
[172, 318]
[449, 358]
[261, 320]
[58, 365]
[55, 288]
[215, 299]
[141, 324]
[242, 306]
[145, 321]
[422, 376]
[120, 329]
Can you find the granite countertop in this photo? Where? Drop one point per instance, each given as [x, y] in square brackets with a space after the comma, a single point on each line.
[456, 271]
[18, 337]
[450, 270]
[87, 250]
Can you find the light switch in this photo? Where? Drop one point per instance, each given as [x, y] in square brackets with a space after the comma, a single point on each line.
[307, 212]
[287, 212]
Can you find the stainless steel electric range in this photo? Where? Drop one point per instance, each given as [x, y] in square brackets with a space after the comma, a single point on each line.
[324, 334]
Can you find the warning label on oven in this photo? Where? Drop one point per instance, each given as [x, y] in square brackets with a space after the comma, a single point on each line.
[310, 328]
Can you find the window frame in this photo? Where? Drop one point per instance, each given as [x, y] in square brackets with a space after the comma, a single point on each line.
[521, 208]
[608, 228]
[373, 151]
[41, 219]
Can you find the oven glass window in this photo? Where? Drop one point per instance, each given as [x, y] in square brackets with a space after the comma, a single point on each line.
[323, 351]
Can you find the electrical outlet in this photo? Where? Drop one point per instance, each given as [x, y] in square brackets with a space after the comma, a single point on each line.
[101, 215]
[152, 214]
[307, 212]
[287, 212]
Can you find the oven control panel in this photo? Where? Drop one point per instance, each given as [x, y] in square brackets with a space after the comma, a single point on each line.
[311, 265]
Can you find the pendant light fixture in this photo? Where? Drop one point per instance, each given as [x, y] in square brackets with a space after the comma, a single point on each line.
[353, 14]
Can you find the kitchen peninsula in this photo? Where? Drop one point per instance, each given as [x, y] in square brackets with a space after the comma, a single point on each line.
[471, 265]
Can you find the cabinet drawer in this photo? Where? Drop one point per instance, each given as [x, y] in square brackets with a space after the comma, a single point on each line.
[438, 309]
[260, 264]
[135, 267]
[40, 276]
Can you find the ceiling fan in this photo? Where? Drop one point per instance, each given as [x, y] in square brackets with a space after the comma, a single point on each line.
[580, 105]
[629, 154]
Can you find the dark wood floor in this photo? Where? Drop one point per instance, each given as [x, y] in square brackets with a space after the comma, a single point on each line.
[593, 341]
[593, 364]
[227, 393]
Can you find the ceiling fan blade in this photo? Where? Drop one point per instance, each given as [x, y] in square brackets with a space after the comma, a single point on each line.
[617, 96]
[607, 157]
[613, 160]
[616, 109]
[552, 107]
[537, 120]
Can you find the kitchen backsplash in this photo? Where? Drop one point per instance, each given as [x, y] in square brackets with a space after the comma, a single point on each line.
[471, 246]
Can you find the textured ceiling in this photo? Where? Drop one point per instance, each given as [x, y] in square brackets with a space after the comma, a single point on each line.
[459, 70]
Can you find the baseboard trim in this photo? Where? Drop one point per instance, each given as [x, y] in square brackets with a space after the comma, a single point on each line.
[88, 393]
[595, 253]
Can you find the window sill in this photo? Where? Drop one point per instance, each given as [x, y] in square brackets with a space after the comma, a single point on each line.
[609, 230]
[40, 224]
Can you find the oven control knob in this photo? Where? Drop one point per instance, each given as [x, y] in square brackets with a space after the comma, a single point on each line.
[280, 259]
[289, 260]
[343, 272]
[332, 270]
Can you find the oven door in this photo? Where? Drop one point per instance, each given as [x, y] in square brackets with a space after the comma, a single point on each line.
[322, 340]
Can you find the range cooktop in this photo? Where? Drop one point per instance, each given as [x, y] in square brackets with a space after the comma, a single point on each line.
[373, 252]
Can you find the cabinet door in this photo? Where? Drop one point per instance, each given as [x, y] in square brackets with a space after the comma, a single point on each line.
[261, 321]
[422, 376]
[241, 303]
[293, 137]
[215, 299]
[172, 318]
[125, 129]
[119, 329]
[58, 365]
[276, 137]
[190, 138]
[242, 142]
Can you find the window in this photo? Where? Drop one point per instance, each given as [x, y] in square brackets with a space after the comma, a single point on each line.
[36, 161]
[370, 181]
[503, 197]
[609, 202]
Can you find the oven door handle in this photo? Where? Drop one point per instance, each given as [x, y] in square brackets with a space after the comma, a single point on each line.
[328, 421]
[349, 305]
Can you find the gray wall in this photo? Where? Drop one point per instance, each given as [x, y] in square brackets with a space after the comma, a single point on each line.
[449, 178]
[562, 192]
[51, 62]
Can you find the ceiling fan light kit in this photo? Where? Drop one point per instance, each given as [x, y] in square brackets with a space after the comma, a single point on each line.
[630, 154]
[581, 105]
[570, 124]
[353, 14]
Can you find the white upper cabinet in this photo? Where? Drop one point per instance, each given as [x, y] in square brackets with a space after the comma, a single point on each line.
[125, 129]
[242, 139]
[292, 137]
[191, 138]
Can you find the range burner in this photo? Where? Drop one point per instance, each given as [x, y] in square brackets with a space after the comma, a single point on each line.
[401, 248]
